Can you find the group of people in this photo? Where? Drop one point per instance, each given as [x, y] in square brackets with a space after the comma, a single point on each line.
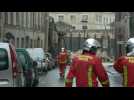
[87, 67]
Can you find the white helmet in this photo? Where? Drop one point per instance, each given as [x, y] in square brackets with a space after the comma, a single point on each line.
[130, 45]
[91, 43]
[62, 49]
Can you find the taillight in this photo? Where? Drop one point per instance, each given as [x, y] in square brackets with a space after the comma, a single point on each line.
[14, 70]
[14, 62]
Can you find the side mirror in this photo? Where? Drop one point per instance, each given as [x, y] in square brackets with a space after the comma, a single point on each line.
[35, 63]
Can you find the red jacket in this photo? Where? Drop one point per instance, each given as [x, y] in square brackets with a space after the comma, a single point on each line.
[62, 58]
[125, 65]
[86, 68]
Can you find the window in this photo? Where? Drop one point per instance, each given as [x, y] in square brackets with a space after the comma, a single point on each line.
[38, 20]
[73, 18]
[84, 27]
[31, 44]
[106, 20]
[41, 43]
[111, 20]
[85, 18]
[11, 18]
[74, 27]
[61, 18]
[22, 42]
[22, 19]
[27, 19]
[119, 15]
[34, 20]
[42, 17]
[18, 42]
[14, 18]
[17, 18]
[6, 17]
[3, 59]
[35, 43]
[31, 20]
[99, 19]
[38, 43]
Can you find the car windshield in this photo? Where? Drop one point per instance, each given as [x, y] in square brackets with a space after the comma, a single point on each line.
[3, 59]
[36, 54]
[22, 59]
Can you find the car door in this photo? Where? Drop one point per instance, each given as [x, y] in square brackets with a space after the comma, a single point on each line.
[21, 78]
[6, 79]
[26, 64]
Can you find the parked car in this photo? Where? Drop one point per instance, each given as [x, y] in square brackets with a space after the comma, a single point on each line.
[38, 55]
[29, 67]
[51, 61]
[11, 73]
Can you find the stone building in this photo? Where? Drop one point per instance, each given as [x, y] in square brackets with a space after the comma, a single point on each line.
[85, 25]
[30, 29]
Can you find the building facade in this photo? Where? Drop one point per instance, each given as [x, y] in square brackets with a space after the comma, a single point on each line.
[85, 25]
[30, 29]
[121, 31]
[131, 27]
[93, 20]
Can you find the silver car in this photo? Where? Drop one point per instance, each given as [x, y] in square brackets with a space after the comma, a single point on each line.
[11, 73]
[38, 55]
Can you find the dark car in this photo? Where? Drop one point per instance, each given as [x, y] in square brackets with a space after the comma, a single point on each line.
[50, 60]
[29, 68]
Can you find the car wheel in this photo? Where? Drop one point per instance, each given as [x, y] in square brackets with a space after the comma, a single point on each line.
[39, 71]
[35, 82]
[49, 69]
[28, 82]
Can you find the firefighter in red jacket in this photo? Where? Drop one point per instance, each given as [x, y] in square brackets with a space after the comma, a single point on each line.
[87, 67]
[62, 61]
[125, 64]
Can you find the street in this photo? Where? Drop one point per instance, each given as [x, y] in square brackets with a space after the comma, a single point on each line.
[34, 42]
[114, 77]
[51, 79]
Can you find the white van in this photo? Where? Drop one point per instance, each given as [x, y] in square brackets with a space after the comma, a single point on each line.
[38, 55]
[11, 74]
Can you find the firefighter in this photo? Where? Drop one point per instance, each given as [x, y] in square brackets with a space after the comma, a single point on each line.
[125, 64]
[62, 61]
[86, 67]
